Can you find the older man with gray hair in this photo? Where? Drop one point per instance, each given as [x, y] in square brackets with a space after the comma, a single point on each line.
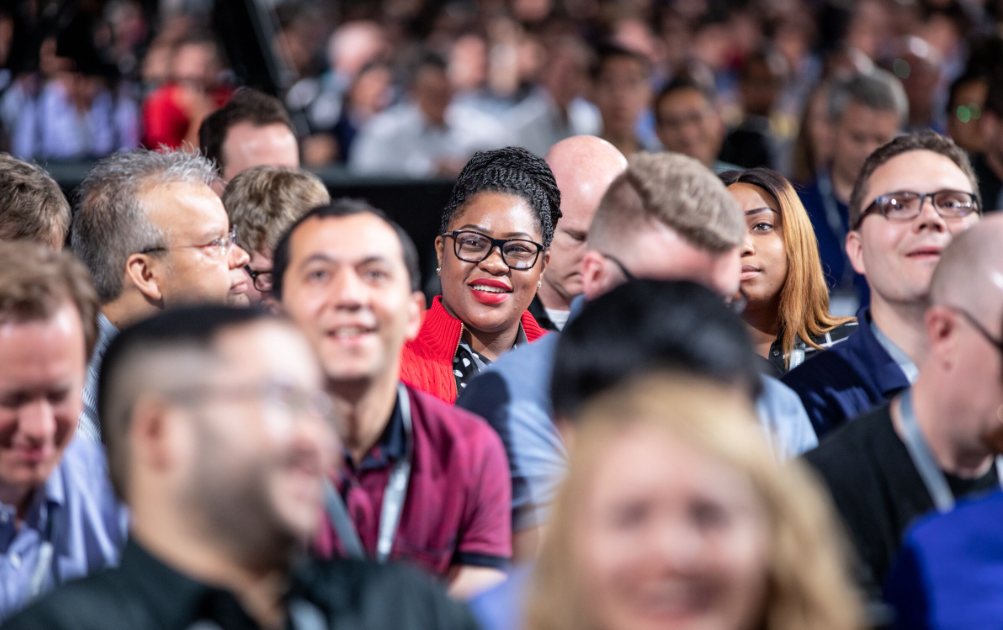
[153, 234]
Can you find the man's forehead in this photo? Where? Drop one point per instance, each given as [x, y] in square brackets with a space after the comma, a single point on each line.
[356, 236]
[185, 207]
[918, 171]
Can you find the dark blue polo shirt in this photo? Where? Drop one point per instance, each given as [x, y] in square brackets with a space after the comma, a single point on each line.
[847, 380]
[832, 245]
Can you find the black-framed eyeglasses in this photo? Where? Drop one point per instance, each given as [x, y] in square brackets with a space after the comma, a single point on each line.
[262, 280]
[736, 303]
[219, 247]
[473, 247]
[979, 327]
[619, 265]
[905, 205]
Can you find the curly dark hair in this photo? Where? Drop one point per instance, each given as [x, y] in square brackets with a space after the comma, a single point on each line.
[514, 171]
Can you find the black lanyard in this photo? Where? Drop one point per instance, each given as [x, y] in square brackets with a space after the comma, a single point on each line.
[393, 498]
[933, 478]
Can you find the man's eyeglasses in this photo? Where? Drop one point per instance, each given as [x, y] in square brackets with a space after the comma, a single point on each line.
[905, 205]
[473, 247]
[979, 327]
[262, 280]
[736, 303]
[219, 247]
[292, 400]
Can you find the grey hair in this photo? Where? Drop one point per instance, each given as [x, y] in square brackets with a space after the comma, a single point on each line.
[111, 223]
[876, 89]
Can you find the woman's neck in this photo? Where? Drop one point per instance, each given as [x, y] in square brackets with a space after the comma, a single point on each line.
[491, 345]
[763, 322]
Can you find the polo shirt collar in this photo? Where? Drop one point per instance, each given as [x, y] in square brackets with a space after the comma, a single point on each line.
[391, 446]
[897, 354]
[179, 600]
[887, 374]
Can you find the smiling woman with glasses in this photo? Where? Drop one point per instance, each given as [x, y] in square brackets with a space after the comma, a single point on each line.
[492, 252]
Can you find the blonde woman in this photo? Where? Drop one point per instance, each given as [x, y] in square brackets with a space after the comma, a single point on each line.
[675, 515]
[788, 302]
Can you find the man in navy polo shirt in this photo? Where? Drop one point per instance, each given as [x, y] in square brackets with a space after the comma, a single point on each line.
[912, 197]
[423, 481]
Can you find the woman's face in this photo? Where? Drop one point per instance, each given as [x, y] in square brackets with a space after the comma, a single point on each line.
[489, 296]
[764, 261]
[670, 537]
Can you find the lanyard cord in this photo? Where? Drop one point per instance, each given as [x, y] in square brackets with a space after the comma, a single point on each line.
[393, 497]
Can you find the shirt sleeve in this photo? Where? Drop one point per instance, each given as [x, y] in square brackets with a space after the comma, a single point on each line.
[486, 539]
[536, 454]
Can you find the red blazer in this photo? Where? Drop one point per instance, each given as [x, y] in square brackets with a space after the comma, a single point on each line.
[427, 362]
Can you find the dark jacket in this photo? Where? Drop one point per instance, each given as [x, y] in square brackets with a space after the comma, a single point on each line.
[146, 594]
[847, 380]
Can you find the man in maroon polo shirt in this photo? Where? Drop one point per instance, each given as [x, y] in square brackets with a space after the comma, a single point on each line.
[423, 481]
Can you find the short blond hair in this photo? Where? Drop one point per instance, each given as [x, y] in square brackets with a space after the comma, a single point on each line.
[32, 206]
[672, 189]
[808, 577]
[35, 282]
[264, 201]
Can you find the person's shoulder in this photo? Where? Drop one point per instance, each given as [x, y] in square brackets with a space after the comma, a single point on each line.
[393, 121]
[527, 360]
[444, 421]
[960, 526]
[92, 603]
[832, 368]
[842, 453]
[362, 589]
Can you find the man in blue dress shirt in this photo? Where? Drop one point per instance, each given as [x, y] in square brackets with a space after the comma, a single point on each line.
[912, 197]
[59, 519]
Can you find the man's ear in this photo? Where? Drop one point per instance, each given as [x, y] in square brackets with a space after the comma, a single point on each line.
[855, 251]
[595, 276]
[145, 273]
[415, 315]
[440, 243]
[941, 326]
[150, 434]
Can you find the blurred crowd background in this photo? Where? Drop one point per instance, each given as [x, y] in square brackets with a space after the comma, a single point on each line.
[367, 81]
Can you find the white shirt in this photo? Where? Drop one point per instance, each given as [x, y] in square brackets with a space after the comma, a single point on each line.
[560, 318]
[400, 141]
[538, 124]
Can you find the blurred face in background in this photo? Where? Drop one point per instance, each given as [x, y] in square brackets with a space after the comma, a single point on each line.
[621, 94]
[857, 134]
[965, 113]
[433, 93]
[690, 124]
[671, 537]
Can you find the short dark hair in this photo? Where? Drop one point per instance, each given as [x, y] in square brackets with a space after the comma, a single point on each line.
[514, 171]
[340, 209]
[32, 206]
[994, 96]
[246, 105]
[921, 141]
[608, 51]
[685, 81]
[120, 384]
[645, 326]
[964, 80]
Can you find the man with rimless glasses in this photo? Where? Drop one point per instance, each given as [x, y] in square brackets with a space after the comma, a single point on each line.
[153, 235]
[913, 196]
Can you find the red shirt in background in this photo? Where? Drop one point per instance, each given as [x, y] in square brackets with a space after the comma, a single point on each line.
[165, 122]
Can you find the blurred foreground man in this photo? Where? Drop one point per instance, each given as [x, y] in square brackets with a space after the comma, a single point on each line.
[219, 437]
[32, 206]
[59, 519]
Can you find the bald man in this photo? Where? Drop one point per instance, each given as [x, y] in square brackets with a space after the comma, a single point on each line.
[584, 167]
[941, 439]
